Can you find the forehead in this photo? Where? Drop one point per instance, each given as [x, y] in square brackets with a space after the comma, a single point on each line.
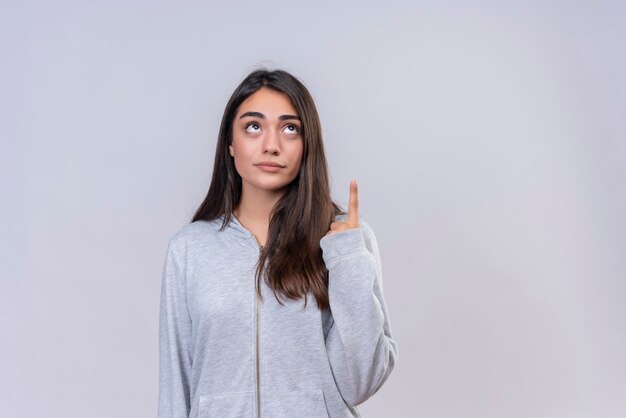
[269, 102]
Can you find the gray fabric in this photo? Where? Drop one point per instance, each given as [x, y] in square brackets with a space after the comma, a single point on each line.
[312, 363]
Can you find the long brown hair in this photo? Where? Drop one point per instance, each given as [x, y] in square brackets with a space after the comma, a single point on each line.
[303, 214]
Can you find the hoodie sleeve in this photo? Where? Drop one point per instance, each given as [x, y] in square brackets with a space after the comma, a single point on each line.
[361, 350]
[174, 342]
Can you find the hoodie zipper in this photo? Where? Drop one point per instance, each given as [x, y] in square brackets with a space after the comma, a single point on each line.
[258, 393]
[256, 318]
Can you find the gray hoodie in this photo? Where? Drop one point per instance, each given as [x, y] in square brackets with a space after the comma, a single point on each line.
[224, 353]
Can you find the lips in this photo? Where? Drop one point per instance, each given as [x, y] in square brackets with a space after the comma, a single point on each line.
[269, 164]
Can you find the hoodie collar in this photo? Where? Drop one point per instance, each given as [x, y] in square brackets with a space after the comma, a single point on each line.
[235, 226]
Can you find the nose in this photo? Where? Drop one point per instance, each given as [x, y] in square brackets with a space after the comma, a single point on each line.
[271, 143]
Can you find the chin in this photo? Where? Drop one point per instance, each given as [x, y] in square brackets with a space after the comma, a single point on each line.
[271, 186]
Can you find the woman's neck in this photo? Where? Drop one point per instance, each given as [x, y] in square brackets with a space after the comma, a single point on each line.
[254, 209]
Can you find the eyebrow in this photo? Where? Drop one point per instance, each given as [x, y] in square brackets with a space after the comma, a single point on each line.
[262, 116]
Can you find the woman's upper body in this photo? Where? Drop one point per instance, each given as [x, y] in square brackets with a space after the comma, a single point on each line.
[271, 301]
[310, 362]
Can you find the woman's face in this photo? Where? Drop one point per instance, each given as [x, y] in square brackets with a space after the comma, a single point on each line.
[267, 130]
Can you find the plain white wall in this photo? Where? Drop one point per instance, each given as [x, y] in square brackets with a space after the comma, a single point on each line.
[489, 141]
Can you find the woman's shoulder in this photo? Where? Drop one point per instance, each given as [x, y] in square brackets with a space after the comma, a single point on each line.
[194, 232]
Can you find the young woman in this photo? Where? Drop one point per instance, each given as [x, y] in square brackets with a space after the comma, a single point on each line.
[272, 302]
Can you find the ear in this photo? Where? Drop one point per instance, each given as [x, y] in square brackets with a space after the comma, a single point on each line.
[230, 150]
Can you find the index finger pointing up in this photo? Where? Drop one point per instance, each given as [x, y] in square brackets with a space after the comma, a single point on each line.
[353, 205]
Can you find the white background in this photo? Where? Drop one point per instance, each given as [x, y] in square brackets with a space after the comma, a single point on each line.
[489, 142]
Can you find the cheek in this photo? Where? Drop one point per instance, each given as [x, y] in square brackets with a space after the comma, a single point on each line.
[239, 156]
[297, 155]
[238, 149]
[300, 151]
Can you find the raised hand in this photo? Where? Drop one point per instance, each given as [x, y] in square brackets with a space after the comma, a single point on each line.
[352, 221]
